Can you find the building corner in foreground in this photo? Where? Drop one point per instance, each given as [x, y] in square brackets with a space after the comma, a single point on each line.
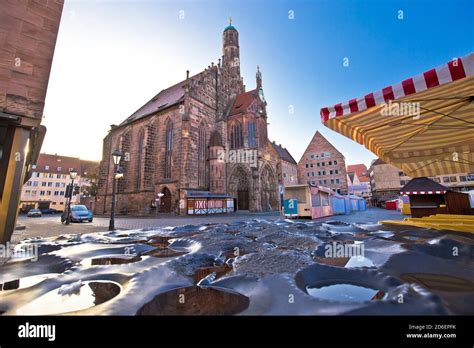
[30, 25]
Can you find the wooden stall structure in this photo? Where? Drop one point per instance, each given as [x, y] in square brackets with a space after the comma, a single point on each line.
[313, 201]
[204, 202]
[338, 204]
[429, 198]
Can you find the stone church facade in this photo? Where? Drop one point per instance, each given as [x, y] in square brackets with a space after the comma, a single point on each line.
[204, 134]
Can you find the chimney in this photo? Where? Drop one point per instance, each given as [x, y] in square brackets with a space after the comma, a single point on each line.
[187, 74]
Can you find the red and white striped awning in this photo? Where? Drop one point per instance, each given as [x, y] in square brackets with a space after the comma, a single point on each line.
[454, 70]
[423, 192]
[439, 140]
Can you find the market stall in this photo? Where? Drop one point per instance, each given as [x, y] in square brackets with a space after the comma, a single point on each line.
[312, 201]
[429, 198]
[423, 125]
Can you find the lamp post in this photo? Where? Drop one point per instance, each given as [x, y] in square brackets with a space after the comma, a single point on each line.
[116, 155]
[72, 175]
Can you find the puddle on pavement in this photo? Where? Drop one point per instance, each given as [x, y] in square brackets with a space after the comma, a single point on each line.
[346, 262]
[359, 261]
[203, 272]
[439, 282]
[90, 294]
[413, 238]
[354, 258]
[445, 248]
[346, 293]
[270, 245]
[418, 236]
[110, 260]
[164, 252]
[159, 240]
[336, 223]
[26, 282]
[194, 300]
[233, 232]
[231, 253]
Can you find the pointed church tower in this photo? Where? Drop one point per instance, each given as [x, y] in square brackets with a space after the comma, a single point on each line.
[231, 80]
[231, 49]
[258, 76]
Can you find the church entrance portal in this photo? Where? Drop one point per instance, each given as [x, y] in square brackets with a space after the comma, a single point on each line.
[239, 187]
[165, 201]
[269, 190]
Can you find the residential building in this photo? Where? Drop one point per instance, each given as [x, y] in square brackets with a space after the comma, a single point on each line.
[46, 187]
[324, 165]
[358, 181]
[287, 167]
[386, 181]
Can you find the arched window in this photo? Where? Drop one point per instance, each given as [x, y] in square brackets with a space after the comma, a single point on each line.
[140, 159]
[251, 134]
[202, 141]
[262, 131]
[124, 146]
[149, 156]
[169, 149]
[236, 139]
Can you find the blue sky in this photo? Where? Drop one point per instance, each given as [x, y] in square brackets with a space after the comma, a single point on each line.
[113, 56]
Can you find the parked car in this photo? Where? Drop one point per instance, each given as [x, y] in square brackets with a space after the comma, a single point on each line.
[49, 211]
[34, 213]
[78, 213]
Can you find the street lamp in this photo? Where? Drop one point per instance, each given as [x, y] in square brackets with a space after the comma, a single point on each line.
[72, 175]
[119, 173]
[116, 155]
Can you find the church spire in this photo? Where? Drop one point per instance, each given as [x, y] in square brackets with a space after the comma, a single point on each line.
[258, 75]
[230, 45]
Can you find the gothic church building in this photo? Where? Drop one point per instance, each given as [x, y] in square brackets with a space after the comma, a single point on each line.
[179, 142]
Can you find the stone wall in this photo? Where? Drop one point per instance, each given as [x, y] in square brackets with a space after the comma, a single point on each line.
[289, 173]
[142, 172]
[28, 31]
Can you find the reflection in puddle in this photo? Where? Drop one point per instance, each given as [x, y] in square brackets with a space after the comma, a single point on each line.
[91, 293]
[359, 261]
[413, 238]
[110, 260]
[194, 300]
[439, 282]
[345, 293]
[26, 282]
[203, 272]
[164, 252]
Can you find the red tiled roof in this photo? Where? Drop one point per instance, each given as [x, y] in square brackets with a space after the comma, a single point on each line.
[360, 170]
[55, 161]
[242, 102]
[89, 167]
[165, 98]
[283, 153]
